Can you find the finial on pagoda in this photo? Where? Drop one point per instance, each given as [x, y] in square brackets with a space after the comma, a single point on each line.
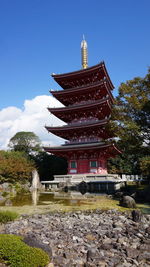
[84, 53]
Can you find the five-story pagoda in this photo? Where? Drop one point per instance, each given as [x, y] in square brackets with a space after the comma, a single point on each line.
[87, 98]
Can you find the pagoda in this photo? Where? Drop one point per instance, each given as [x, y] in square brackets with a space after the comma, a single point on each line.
[87, 98]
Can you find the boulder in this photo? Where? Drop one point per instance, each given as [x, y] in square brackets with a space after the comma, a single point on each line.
[136, 215]
[91, 253]
[128, 202]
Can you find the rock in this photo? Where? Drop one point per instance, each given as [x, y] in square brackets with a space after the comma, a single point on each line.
[114, 261]
[107, 240]
[122, 240]
[148, 230]
[90, 239]
[106, 246]
[33, 242]
[128, 202]
[3, 264]
[8, 202]
[91, 253]
[145, 247]
[136, 215]
[50, 265]
[146, 255]
[102, 263]
[132, 253]
[117, 224]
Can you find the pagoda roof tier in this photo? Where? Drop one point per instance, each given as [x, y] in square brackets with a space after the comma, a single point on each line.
[70, 132]
[95, 91]
[85, 150]
[99, 109]
[83, 77]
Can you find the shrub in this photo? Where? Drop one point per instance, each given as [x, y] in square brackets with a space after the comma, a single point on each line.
[16, 253]
[15, 166]
[6, 216]
[5, 194]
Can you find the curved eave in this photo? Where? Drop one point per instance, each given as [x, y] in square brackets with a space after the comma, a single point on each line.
[77, 147]
[81, 73]
[77, 72]
[116, 149]
[109, 148]
[82, 90]
[75, 126]
[107, 75]
[77, 108]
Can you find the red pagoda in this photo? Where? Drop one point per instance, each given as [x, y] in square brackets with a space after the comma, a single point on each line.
[87, 98]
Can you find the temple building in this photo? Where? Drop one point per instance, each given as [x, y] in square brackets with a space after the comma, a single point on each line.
[87, 98]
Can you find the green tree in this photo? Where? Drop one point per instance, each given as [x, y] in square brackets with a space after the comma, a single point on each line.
[27, 142]
[145, 165]
[131, 123]
[15, 166]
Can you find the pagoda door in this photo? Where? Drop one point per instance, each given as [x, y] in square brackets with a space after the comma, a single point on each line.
[83, 166]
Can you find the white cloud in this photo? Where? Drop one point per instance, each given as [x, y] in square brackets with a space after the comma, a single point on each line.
[33, 117]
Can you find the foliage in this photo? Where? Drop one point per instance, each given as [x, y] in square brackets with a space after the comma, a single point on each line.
[17, 254]
[145, 165]
[133, 104]
[28, 142]
[131, 123]
[49, 165]
[14, 166]
[5, 194]
[6, 216]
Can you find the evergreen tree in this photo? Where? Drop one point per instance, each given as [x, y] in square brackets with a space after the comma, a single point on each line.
[131, 122]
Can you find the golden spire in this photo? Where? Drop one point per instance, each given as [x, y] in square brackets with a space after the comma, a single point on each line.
[84, 53]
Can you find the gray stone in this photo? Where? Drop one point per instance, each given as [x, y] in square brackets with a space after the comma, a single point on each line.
[91, 253]
[33, 242]
[50, 265]
[128, 202]
[109, 238]
[132, 253]
[136, 215]
[148, 230]
[8, 202]
[146, 255]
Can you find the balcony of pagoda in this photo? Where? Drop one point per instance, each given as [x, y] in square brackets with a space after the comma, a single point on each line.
[83, 77]
[96, 91]
[78, 132]
[99, 109]
[83, 140]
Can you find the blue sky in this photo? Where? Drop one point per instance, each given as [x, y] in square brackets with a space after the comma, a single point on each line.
[39, 37]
